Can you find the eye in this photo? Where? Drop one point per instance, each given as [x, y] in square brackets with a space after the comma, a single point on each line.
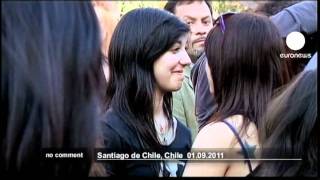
[207, 22]
[189, 22]
[175, 50]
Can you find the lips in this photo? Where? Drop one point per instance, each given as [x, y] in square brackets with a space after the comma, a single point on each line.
[178, 71]
[178, 74]
[200, 40]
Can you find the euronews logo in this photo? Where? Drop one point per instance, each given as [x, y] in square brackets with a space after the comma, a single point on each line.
[295, 41]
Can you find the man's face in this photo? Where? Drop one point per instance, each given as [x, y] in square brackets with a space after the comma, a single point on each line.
[197, 15]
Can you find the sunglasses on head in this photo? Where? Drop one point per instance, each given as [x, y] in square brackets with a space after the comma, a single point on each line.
[220, 21]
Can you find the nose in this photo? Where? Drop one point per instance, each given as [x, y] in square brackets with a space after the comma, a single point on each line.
[199, 29]
[185, 59]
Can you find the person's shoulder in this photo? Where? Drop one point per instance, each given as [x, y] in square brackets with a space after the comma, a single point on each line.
[114, 122]
[214, 128]
[112, 118]
[214, 135]
[111, 122]
[237, 122]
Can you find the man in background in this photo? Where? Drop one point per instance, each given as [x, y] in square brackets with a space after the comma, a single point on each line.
[190, 103]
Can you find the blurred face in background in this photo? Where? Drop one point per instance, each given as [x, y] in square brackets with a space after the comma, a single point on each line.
[197, 15]
[108, 17]
[108, 21]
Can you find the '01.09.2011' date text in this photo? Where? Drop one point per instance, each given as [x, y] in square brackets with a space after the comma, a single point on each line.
[204, 155]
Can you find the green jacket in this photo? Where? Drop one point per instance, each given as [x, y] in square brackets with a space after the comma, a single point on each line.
[184, 103]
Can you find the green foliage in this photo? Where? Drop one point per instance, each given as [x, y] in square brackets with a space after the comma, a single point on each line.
[218, 6]
[227, 6]
[126, 6]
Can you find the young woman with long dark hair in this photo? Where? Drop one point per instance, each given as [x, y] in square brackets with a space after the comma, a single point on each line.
[51, 75]
[243, 70]
[147, 57]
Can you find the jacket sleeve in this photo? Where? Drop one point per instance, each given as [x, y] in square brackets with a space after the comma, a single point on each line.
[184, 107]
[300, 17]
[178, 109]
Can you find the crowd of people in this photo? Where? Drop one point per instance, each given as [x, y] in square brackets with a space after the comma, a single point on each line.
[74, 75]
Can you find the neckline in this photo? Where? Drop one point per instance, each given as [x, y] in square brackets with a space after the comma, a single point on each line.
[168, 136]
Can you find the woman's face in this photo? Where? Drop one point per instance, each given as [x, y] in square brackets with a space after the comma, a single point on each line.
[168, 68]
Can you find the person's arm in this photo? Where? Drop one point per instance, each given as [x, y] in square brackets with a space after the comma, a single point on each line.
[312, 65]
[301, 17]
[212, 136]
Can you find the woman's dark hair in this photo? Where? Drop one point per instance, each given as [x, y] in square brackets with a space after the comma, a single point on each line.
[245, 66]
[50, 78]
[291, 129]
[139, 39]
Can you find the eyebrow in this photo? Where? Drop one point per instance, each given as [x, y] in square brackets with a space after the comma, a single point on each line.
[177, 42]
[193, 19]
[207, 17]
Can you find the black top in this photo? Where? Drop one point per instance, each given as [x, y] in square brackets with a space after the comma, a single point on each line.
[255, 172]
[119, 137]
